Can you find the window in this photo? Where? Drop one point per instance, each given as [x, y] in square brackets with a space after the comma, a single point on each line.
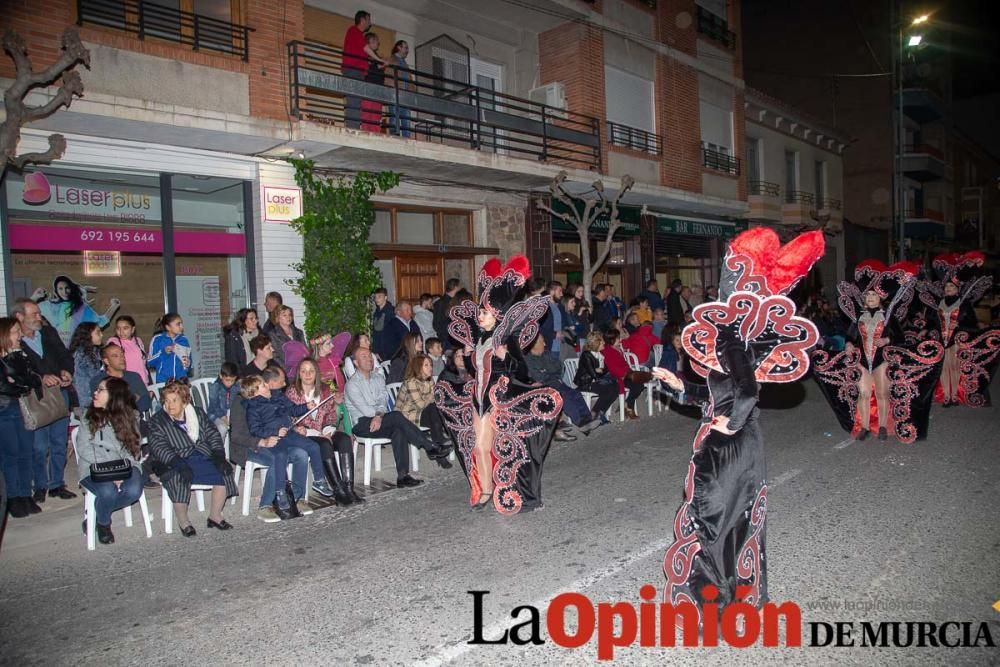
[716, 114]
[820, 175]
[753, 160]
[419, 226]
[717, 7]
[791, 173]
[629, 100]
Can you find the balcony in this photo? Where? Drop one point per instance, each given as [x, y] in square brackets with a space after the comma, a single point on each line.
[634, 139]
[148, 19]
[765, 201]
[923, 162]
[925, 223]
[436, 109]
[715, 28]
[719, 161]
[798, 207]
[921, 102]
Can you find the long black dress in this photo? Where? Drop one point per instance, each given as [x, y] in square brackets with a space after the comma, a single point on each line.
[719, 528]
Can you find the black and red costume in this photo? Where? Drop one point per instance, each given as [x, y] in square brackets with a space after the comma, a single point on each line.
[750, 335]
[974, 352]
[524, 417]
[878, 338]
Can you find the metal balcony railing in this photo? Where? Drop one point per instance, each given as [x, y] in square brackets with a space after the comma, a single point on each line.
[720, 161]
[928, 149]
[799, 197]
[148, 19]
[424, 106]
[634, 138]
[715, 27]
[830, 204]
[924, 213]
[764, 189]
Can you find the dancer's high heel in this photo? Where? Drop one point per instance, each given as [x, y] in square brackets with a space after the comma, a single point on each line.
[484, 500]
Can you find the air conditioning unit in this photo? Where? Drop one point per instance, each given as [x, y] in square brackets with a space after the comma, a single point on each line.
[551, 95]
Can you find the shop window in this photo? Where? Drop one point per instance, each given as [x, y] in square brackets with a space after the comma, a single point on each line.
[421, 227]
[211, 270]
[455, 229]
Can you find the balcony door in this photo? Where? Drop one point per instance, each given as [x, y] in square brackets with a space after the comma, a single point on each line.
[488, 77]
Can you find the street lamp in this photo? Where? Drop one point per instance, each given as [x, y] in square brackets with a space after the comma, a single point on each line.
[899, 194]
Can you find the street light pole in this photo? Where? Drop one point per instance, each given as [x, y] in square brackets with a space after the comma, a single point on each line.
[900, 134]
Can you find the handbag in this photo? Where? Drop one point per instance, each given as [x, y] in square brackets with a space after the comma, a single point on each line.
[639, 377]
[116, 470]
[40, 412]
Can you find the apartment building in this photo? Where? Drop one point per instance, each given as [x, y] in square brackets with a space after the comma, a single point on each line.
[191, 107]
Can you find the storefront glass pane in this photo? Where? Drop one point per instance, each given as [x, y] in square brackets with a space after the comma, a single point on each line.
[88, 245]
[414, 228]
[210, 250]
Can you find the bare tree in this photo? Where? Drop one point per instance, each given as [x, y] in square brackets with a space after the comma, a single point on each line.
[20, 114]
[594, 206]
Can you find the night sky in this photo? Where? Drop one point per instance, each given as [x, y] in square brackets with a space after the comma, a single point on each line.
[975, 26]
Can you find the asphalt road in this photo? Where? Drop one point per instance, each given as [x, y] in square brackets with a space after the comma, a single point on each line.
[910, 530]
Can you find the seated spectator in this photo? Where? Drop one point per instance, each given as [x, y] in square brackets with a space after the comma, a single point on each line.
[631, 323]
[423, 315]
[85, 346]
[640, 343]
[239, 333]
[411, 345]
[435, 350]
[659, 322]
[547, 370]
[285, 335]
[263, 356]
[187, 449]
[114, 366]
[592, 376]
[416, 400]
[109, 432]
[170, 350]
[367, 403]
[640, 306]
[221, 394]
[244, 447]
[454, 369]
[271, 413]
[674, 359]
[359, 341]
[17, 378]
[617, 366]
[321, 427]
[135, 351]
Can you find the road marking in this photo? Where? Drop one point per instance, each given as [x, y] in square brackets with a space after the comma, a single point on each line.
[846, 442]
[449, 652]
[785, 476]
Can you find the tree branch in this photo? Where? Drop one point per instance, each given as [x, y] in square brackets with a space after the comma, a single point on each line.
[72, 86]
[57, 146]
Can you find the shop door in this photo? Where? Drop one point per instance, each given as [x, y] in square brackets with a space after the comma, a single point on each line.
[416, 275]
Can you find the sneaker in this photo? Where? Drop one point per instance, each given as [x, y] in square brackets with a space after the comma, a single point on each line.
[282, 500]
[267, 514]
[304, 508]
[322, 487]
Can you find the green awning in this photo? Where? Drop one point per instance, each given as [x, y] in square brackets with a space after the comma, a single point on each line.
[667, 224]
[629, 215]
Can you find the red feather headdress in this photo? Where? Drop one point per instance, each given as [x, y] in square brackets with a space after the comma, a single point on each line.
[501, 284]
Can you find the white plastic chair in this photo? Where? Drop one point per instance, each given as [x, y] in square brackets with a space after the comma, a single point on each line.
[249, 469]
[349, 369]
[651, 386]
[570, 367]
[657, 354]
[199, 392]
[373, 453]
[90, 507]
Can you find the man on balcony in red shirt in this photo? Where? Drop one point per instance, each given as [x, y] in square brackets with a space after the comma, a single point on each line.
[355, 64]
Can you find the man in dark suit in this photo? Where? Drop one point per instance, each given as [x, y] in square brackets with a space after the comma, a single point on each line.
[54, 363]
[397, 327]
[602, 314]
[383, 313]
[675, 306]
[441, 308]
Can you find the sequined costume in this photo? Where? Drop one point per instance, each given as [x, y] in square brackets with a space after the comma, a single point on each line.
[750, 335]
[523, 417]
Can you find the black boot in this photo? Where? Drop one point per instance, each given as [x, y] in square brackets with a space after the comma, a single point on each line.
[340, 492]
[347, 475]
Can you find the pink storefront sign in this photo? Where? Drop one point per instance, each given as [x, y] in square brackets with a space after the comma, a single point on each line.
[55, 238]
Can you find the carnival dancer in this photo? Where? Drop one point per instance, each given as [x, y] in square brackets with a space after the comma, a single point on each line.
[501, 425]
[970, 354]
[879, 382]
[750, 335]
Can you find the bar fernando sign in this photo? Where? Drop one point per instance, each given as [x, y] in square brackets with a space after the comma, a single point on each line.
[665, 224]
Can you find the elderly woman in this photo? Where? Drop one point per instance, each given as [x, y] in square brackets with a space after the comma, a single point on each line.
[187, 449]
